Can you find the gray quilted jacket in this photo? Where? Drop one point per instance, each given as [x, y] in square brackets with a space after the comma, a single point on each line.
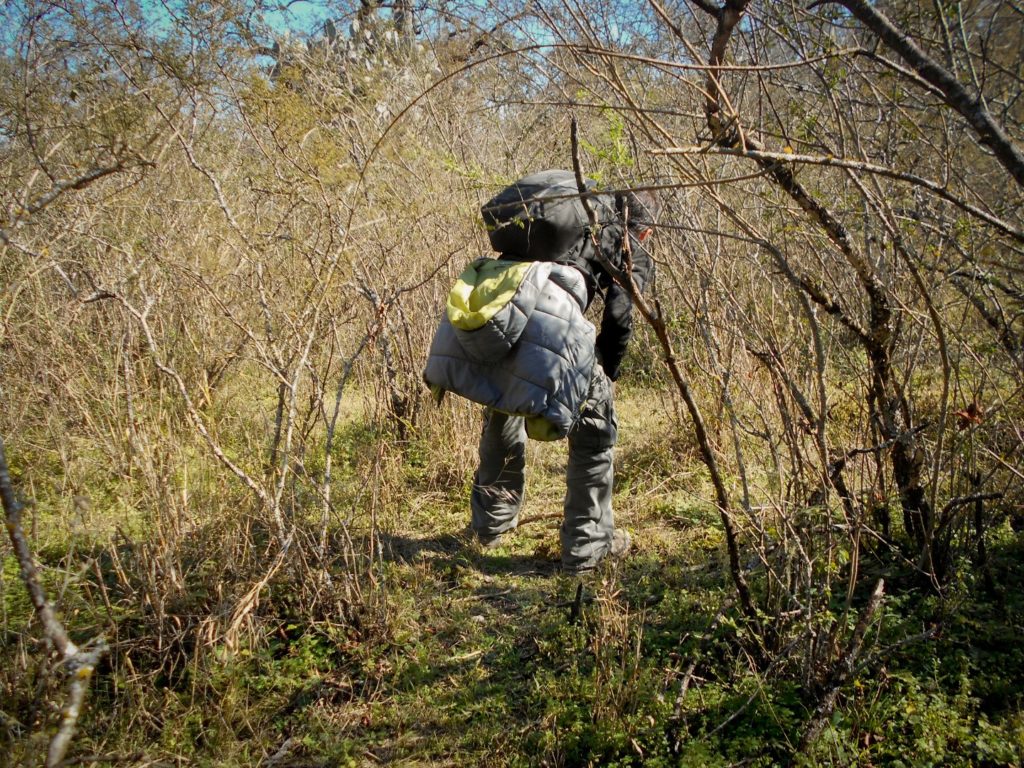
[513, 337]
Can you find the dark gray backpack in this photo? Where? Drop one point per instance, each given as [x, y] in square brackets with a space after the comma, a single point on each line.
[541, 218]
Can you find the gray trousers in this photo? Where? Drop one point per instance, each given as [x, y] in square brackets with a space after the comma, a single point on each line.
[500, 479]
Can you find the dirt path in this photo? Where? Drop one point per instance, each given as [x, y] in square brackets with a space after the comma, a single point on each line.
[496, 651]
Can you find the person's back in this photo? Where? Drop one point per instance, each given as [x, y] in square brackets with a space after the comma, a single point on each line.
[588, 531]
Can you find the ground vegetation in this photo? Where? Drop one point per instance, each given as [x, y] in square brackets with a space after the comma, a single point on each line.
[234, 512]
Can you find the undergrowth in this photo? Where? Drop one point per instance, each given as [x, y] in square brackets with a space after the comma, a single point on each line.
[458, 656]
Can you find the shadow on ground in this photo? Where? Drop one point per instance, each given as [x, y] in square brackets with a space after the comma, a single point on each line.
[413, 550]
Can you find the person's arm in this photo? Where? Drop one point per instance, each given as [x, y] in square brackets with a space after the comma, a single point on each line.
[617, 317]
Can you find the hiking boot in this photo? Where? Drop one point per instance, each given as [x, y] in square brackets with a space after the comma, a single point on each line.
[491, 542]
[486, 541]
[621, 544]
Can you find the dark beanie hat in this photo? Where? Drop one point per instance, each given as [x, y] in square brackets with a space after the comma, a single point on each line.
[642, 208]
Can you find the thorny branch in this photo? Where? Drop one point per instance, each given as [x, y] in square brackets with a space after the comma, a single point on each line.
[843, 669]
[937, 189]
[653, 317]
[79, 663]
[971, 108]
